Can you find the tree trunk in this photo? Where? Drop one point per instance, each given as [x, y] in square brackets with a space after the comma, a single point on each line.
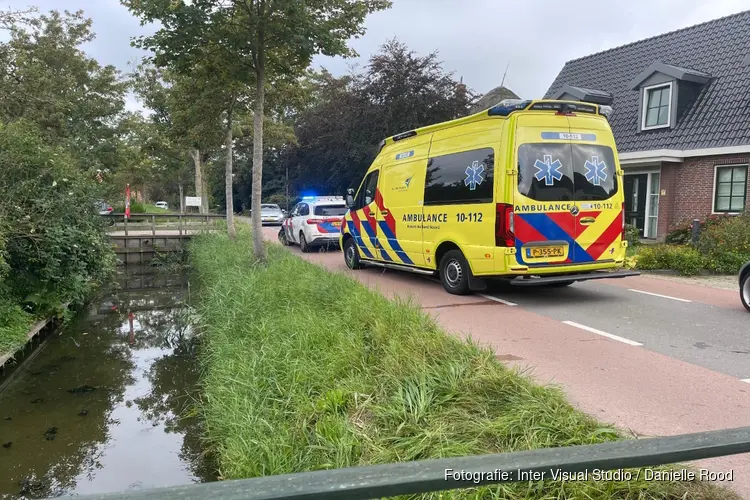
[182, 200]
[195, 154]
[204, 185]
[259, 248]
[231, 230]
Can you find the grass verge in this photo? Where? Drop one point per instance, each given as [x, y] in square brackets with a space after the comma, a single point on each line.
[14, 326]
[306, 370]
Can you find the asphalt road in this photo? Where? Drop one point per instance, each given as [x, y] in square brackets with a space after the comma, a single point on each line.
[651, 356]
[712, 336]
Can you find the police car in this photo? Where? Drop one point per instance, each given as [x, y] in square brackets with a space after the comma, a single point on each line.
[314, 222]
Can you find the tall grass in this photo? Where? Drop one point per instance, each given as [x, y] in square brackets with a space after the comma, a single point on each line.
[307, 370]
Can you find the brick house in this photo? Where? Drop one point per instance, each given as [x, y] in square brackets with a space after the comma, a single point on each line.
[681, 119]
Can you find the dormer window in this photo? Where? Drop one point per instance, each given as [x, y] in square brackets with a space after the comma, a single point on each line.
[667, 91]
[657, 106]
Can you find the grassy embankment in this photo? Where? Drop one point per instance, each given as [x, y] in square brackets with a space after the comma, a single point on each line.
[305, 370]
[14, 326]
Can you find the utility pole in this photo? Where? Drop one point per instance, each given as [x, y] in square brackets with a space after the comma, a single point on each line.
[505, 74]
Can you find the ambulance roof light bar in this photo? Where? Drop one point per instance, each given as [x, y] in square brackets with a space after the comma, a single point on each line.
[507, 106]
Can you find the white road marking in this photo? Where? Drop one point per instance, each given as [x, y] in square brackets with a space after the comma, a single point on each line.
[658, 295]
[603, 334]
[496, 299]
[745, 380]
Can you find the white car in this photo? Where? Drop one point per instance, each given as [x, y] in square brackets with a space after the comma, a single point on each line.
[271, 214]
[314, 222]
[161, 204]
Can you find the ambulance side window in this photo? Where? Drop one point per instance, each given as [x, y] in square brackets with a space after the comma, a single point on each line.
[460, 178]
[545, 172]
[366, 193]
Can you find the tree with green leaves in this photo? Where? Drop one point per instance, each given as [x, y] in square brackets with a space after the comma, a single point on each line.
[46, 78]
[256, 41]
[339, 132]
[187, 112]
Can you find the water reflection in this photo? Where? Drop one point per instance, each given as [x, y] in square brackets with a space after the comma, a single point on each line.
[105, 408]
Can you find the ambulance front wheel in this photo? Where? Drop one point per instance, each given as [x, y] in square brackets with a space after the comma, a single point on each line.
[351, 254]
[454, 273]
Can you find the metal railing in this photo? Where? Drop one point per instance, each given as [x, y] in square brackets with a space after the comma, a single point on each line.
[182, 223]
[408, 478]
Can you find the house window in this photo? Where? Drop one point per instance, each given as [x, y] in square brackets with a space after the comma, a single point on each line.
[731, 189]
[656, 106]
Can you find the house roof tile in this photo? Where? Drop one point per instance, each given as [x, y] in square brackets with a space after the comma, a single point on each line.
[720, 113]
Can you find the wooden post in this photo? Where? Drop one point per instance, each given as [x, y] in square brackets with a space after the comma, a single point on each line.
[179, 223]
[125, 218]
[153, 225]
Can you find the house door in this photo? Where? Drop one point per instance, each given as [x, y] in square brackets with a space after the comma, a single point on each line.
[635, 200]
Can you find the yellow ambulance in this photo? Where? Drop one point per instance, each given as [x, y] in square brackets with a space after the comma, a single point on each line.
[529, 190]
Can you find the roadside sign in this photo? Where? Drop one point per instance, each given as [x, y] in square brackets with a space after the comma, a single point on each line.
[192, 201]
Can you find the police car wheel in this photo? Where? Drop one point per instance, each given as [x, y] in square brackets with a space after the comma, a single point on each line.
[283, 239]
[745, 290]
[351, 255]
[303, 243]
[454, 273]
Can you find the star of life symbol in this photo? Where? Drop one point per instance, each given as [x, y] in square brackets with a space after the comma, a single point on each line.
[548, 170]
[596, 171]
[474, 175]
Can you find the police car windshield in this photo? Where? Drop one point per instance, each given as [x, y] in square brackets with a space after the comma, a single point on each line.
[565, 172]
[330, 210]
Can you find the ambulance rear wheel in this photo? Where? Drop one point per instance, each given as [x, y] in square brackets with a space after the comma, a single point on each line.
[454, 273]
[351, 255]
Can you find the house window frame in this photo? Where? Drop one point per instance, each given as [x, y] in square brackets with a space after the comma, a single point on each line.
[715, 192]
[646, 93]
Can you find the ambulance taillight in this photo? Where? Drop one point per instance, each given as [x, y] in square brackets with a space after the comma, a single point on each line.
[505, 226]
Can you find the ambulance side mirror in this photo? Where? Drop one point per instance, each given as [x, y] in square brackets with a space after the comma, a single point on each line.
[350, 198]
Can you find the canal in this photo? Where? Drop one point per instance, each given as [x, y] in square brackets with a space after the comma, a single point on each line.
[105, 406]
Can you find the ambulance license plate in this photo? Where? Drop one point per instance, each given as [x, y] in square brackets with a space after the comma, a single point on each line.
[542, 252]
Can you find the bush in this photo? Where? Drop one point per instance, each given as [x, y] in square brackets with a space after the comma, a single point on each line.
[682, 234]
[632, 235]
[135, 208]
[55, 247]
[726, 244]
[684, 259]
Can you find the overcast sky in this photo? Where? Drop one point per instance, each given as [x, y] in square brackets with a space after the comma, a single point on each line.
[475, 38]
